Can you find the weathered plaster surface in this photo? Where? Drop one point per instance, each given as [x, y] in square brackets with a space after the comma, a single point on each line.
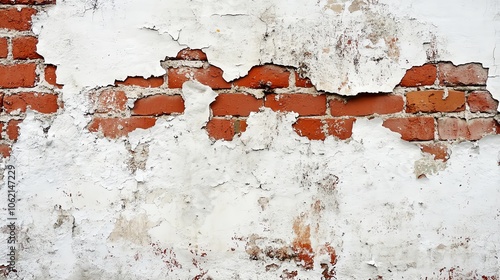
[193, 207]
[367, 45]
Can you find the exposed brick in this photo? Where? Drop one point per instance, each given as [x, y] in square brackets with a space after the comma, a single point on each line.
[413, 128]
[225, 129]
[340, 128]
[5, 150]
[313, 128]
[210, 76]
[463, 75]
[158, 105]
[50, 75]
[302, 82]
[455, 128]
[12, 18]
[240, 126]
[303, 104]
[1, 129]
[118, 127]
[482, 101]
[432, 101]
[151, 82]
[13, 129]
[438, 150]
[236, 105]
[43, 103]
[310, 128]
[221, 129]
[18, 75]
[191, 54]
[4, 48]
[265, 76]
[25, 48]
[29, 2]
[111, 101]
[367, 104]
[424, 75]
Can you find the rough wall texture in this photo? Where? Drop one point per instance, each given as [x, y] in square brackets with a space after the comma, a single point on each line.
[260, 140]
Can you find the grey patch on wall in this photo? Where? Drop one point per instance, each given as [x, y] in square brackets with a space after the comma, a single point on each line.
[347, 44]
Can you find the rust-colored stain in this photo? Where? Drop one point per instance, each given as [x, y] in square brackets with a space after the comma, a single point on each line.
[302, 244]
[275, 252]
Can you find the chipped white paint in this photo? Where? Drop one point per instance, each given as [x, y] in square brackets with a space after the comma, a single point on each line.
[198, 208]
[345, 47]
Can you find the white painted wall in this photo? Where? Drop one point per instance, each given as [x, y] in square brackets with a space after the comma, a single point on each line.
[86, 215]
[96, 42]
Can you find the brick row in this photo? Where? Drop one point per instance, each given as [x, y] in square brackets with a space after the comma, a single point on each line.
[417, 114]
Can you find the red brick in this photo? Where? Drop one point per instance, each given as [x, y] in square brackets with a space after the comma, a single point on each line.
[43, 103]
[455, 128]
[13, 129]
[191, 54]
[211, 76]
[118, 127]
[111, 101]
[5, 150]
[4, 48]
[1, 129]
[221, 129]
[463, 75]
[12, 18]
[50, 75]
[413, 128]
[29, 2]
[265, 76]
[424, 75]
[313, 128]
[25, 48]
[18, 75]
[310, 128]
[303, 104]
[432, 101]
[367, 104]
[236, 105]
[482, 101]
[302, 82]
[158, 105]
[438, 150]
[151, 82]
[340, 128]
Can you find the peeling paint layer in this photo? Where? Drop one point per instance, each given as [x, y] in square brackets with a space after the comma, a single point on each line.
[198, 203]
[345, 47]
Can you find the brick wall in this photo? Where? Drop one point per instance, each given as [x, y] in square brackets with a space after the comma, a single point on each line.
[26, 82]
[433, 104]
